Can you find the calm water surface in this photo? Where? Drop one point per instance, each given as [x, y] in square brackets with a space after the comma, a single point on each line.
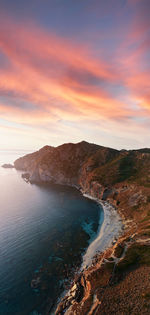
[44, 230]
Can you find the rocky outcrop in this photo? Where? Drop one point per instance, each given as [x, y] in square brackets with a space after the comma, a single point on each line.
[68, 164]
[8, 166]
[75, 295]
[101, 172]
[86, 166]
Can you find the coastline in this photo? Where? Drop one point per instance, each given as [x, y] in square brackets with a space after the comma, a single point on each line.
[100, 243]
[107, 234]
[122, 260]
[92, 289]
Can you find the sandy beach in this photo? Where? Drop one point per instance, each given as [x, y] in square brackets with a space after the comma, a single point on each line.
[107, 233]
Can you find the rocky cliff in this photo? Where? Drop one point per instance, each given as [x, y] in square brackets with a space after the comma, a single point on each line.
[118, 281]
[70, 164]
[91, 167]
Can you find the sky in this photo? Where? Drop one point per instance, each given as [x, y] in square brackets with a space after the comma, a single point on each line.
[73, 70]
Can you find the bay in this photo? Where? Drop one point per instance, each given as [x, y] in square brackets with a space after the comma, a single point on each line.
[44, 231]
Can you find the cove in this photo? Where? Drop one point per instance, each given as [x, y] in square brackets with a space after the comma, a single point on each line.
[44, 232]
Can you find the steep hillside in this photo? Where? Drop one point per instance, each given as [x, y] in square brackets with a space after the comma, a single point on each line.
[86, 166]
[29, 161]
[64, 164]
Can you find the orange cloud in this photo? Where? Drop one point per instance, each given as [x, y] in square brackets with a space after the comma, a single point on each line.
[48, 78]
[55, 75]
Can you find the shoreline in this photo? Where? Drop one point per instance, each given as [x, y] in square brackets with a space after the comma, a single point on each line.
[108, 232]
[94, 248]
[122, 259]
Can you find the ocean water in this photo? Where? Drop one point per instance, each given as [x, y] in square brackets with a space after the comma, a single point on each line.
[44, 231]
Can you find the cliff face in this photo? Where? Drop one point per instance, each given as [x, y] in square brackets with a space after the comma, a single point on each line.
[70, 164]
[87, 166]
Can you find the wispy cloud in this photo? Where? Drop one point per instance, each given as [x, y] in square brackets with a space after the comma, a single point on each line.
[55, 74]
[46, 78]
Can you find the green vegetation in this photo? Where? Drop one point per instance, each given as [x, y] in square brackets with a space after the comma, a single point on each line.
[127, 167]
[146, 233]
[147, 218]
[145, 150]
[147, 295]
[136, 255]
[148, 199]
[109, 266]
[119, 250]
[130, 166]
[136, 207]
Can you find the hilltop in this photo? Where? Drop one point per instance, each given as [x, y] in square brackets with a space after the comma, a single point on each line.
[118, 280]
[85, 162]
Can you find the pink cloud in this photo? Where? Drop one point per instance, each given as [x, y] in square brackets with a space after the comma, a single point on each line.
[62, 79]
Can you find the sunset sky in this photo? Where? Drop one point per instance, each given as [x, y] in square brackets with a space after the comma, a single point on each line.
[73, 70]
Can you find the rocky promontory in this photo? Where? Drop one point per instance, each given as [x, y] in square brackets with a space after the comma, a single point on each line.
[8, 166]
[118, 280]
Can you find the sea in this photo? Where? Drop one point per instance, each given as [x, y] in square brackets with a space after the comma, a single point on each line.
[45, 231]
